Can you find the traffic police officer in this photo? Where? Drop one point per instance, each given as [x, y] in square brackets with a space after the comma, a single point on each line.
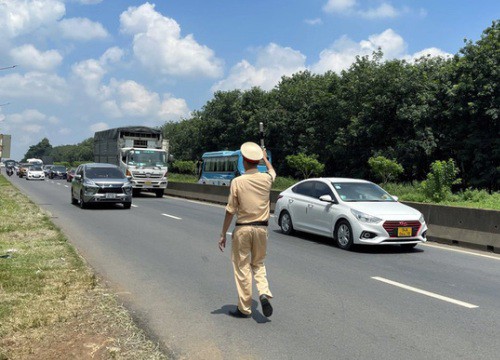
[249, 200]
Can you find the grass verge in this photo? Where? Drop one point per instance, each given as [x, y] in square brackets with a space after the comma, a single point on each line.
[52, 306]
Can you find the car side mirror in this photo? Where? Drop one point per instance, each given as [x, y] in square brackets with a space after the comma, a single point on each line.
[170, 158]
[326, 198]
[395, 197]
[78, 177]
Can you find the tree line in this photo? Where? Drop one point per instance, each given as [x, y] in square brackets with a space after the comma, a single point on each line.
[412, 112]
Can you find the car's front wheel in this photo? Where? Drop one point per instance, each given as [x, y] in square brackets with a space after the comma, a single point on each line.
[343, 235]
[73, 200]
[127, 205]
[83, 204]
[286, 223]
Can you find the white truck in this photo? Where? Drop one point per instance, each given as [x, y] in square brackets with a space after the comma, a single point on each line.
[141, 153]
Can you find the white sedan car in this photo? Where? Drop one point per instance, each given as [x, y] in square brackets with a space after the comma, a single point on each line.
[352, 211]
[35, 172]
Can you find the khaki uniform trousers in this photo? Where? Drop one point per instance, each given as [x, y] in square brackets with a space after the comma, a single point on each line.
[249, 246]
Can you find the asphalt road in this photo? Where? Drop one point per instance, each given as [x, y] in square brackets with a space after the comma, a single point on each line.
[161, 258]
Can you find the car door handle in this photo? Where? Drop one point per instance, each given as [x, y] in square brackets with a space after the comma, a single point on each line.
[290, 201]
[310, 205]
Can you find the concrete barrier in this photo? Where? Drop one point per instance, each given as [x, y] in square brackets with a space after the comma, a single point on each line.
[447, 224]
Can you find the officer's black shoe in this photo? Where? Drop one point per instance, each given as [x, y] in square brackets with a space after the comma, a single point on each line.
[267, 309]
[238, 314]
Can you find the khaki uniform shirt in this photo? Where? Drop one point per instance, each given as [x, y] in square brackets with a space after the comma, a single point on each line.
[249, 196]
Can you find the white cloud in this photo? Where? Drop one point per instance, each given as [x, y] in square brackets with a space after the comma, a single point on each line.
[383, 11]
[18, 17]
[32, 128]
[429, 52]
[313, 22]
[89, 2]
[27, 116]
[34, 85]
[343, 52]
[173, 109]
[99, 127]
[273, 62]
[339, 6]
[30, 57]
[353, 8]
[158, 45]
[82, 29]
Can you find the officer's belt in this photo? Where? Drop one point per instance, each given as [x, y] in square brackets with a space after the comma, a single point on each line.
[254, 223]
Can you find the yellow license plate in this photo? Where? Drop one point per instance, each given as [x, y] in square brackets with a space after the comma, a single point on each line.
[147, 182]
[404, 231]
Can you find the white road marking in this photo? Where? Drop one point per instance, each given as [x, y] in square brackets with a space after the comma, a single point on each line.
[427, 293]
[58, 183]
[134, 205]
[229, 233]
[172, 216]
[461, 251]
[66, 186]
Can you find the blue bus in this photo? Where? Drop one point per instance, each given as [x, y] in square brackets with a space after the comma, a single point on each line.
[220, 167]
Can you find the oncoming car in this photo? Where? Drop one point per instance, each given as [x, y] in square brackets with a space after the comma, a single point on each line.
[352, 211]
[100, 183]
[35, 172]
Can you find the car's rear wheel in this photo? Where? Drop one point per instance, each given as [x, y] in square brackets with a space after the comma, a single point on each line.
[83, 204]
[286, 223]
[408, 246]
[343, 235]
[127, 205]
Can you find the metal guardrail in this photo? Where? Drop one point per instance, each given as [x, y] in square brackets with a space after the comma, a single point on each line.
[467, 227]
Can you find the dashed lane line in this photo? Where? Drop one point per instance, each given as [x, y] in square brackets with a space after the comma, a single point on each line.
[133, 205]
[424, 292]
[172, 216]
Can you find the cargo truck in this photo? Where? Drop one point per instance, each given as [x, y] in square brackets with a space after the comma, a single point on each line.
[139, 151]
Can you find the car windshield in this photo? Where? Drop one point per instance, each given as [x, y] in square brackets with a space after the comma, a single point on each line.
[104, 173]
[147, 158]
[58, 168]
[36, 168]
[361, 192]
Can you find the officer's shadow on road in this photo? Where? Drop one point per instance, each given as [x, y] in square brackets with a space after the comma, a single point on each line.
[256, 315]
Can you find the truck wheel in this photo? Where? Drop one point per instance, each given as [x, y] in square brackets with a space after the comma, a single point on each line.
[159, 193]
[136, 192]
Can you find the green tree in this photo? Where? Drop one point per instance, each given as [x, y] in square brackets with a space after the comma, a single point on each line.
[305, 165]
[442, 176]
[385, 169]
[43, 148]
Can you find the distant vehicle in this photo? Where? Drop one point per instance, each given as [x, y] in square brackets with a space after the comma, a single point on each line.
[100, 183]
[57, 172]
[352, 211]
[70, 174]
[46, 169]
[139, 151]
[35, 172]
[10, 163]
[23, 168]
[34, 161]
[220, 167]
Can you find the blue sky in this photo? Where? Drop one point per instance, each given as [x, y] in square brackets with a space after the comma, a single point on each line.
[88, 65]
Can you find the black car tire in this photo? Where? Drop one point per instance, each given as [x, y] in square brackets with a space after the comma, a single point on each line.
[83, 204]
[286, 223]
[73, 200]
[127, 205]
[343, 235]
[159, 193]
